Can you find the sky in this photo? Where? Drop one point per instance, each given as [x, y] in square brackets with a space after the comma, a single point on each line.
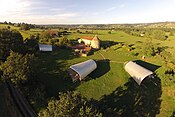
[87, 11]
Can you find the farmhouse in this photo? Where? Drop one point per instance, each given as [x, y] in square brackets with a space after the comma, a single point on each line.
[81, 70]
[45, 48]
[93, 42]
[137, 72]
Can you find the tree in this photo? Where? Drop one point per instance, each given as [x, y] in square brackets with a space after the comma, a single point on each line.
[8, 27]
[63, 41]
[45, 35]
[70, 104]
[25, 26]
[159, 34]
[18, 68]
[171, 33]
[149, 48]
[10, 40]
[31, 44]
[5, 22]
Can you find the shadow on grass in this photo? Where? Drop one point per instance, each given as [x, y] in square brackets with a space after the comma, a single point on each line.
[103, 66]
[52, 71]
[147, 65]
[106, 44]
[132, 100]
[173, 114]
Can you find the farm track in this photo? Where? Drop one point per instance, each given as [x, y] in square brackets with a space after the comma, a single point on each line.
[110, 61]
[21, 102]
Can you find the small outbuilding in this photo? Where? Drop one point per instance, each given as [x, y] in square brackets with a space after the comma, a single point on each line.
[45, 48]
[137, 72]
[81, 70]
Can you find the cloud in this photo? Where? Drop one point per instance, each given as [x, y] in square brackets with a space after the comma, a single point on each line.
[99, 13]
[66, 15]
[111, 9]
[31, 11]
[55, 9]
[13, 7]
[105, 11]
[122, 5]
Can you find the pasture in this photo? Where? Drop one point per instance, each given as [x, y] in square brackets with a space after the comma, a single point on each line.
[109, 84]
[110, 77]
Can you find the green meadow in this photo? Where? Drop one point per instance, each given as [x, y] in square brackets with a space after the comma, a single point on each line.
[109, 76]
[109, 84]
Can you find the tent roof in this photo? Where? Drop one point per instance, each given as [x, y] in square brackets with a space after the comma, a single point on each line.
[84, 68]
[44, 47]
[137, 72]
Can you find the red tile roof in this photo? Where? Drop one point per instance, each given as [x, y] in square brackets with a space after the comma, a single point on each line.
[87, 38]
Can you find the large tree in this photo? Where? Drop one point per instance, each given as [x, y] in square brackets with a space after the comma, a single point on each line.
[25, 26]
[31, 44]
[150, 49]
[10, 40]
[18, 68]
[159, 34]
[45, 35]
[63, 41]
[70, 104]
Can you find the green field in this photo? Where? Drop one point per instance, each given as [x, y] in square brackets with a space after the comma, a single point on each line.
[25, 34]
[110, 77]
[109, 84]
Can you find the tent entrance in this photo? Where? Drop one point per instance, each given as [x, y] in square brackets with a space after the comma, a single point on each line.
[74, 75]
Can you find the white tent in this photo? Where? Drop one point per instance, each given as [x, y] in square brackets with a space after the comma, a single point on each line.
[137, 72]
[85, 68]
[44, 47]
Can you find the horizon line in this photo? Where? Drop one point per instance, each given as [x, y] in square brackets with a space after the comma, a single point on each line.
[93, 23]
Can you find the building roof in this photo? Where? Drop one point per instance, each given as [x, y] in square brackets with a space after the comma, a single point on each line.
[91, 38]
[96, 37]
[84, 68]
[44, 47]
[137, 72]
[78, 46]
[87, 38]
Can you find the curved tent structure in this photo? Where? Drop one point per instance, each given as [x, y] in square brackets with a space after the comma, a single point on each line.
[82, 69]
[137, 72]
[44, 47]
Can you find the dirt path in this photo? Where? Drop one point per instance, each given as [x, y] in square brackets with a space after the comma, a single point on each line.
[102, 56]
[110, 61]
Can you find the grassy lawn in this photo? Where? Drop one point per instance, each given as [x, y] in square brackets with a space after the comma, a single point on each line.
[110, 78]
[104, 85]
[25, 34]
[109, 84]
